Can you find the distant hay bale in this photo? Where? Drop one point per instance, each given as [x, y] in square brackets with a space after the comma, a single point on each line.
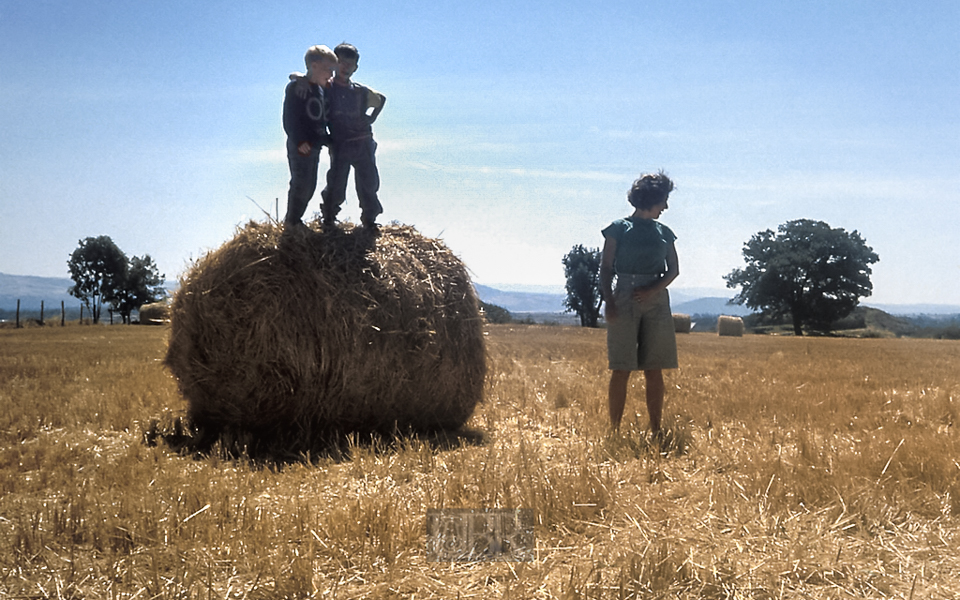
[156, 313]
[287, 337]
[681, 323]
[730, 326]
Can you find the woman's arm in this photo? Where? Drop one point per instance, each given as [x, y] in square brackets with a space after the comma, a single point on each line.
[606, 277]
[673, 271]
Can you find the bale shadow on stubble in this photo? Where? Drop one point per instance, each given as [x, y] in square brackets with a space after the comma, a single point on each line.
[274, 452]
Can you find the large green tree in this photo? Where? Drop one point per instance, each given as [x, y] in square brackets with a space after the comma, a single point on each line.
[807, 271]
[141, 283]
[96, 267]
[582, 269]
[101, 272]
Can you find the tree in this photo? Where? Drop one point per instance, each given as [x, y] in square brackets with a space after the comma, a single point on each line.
[95, 267]
[809, 271]
[140, 284]
[495, 314]
[582, 269]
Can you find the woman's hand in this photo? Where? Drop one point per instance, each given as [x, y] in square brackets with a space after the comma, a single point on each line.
[609, 311]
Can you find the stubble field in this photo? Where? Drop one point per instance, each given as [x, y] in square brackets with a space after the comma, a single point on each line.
[794, 468]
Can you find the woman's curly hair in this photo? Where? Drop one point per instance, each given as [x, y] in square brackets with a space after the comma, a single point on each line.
[651, 189]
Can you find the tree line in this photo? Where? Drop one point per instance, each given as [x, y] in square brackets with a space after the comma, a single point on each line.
[102, 273]
[806, 272]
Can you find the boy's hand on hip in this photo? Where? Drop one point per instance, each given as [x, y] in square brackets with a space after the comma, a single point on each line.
[304, 149]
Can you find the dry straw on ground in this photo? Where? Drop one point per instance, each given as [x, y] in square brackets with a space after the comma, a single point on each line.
[811, 468]
[283, 338]
[681, 323]
[730, 326]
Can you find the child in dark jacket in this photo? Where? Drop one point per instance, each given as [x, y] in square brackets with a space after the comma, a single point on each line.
[351, 133]
[352, 110]
[305, 122]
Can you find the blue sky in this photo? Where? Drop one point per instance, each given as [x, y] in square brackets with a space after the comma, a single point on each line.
[511, 131]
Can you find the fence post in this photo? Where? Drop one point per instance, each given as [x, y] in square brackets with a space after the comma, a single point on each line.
[81, 313]
[63, 314]
[18, 313]
[41, 313]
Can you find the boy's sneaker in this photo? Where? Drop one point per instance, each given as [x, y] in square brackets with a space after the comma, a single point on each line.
[291, 226]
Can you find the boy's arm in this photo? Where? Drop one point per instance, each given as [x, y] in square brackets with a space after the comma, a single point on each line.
[375, 100]
[302, 88]
[291, 122]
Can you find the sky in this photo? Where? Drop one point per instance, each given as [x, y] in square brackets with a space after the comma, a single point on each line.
[512, 131]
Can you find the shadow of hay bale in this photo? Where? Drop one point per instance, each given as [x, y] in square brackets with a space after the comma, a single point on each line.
[178, 435]
[280, 340]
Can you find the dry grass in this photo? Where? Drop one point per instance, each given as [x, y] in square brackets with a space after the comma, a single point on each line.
[795, 468]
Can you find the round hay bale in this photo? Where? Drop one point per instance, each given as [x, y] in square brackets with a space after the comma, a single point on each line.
[287, 337]
[156, 313]
[681, 323]
[730, 326]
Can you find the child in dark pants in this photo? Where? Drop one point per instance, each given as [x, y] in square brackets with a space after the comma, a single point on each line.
[353, 109]
[351, 132]
[305, 122]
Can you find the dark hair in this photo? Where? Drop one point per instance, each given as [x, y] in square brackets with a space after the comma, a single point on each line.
[651, 189]
[346, 50]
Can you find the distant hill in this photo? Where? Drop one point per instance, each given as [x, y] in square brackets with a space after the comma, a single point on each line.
[522, 302]
[31, 291]
[711, 306]
[541, 302]
[916, 309]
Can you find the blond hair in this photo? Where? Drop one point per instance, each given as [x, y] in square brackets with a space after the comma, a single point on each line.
[318, 53]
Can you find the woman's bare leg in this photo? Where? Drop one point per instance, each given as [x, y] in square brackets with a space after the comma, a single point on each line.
[655, 391]
[617, 396]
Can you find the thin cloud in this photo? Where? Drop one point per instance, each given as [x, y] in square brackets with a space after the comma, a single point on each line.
[517, 172]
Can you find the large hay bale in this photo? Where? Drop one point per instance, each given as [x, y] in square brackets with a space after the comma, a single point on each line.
[681, 323]
[730, 326]
[156, 313]
[288, 337]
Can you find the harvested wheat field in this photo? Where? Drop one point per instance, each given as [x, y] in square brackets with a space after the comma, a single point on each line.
[794, 468]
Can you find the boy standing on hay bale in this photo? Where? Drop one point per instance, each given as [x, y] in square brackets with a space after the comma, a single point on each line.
[640, 329]
[305, 122]
[351, 132]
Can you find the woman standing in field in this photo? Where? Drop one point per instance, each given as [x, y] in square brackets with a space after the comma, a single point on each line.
[640, 330]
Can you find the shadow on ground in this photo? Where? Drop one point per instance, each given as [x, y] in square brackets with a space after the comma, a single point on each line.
[180, 436]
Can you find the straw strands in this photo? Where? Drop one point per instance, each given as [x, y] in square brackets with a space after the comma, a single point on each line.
[286, 337]
[730, 326]
[681, 323]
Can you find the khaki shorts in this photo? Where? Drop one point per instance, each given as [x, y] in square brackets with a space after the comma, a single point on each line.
[643, 336]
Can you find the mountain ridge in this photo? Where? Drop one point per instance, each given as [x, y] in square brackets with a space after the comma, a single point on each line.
[31, 290]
